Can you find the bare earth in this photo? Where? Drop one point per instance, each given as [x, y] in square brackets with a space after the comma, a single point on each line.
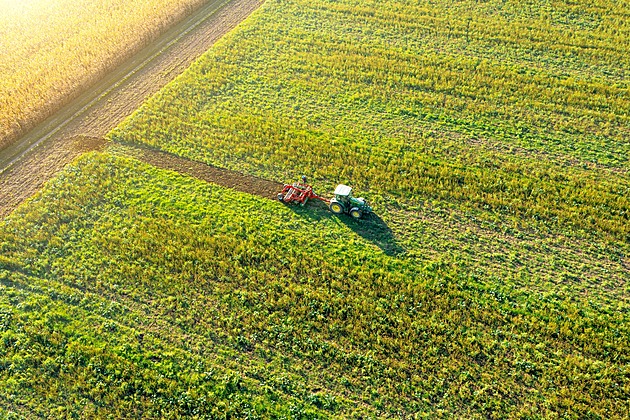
[220, 176]
[81, 126]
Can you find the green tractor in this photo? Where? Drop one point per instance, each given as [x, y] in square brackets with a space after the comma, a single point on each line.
[344, 202]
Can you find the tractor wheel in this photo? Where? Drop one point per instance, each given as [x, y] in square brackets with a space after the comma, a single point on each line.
[356, 212]
[336, 207]
[280, 197]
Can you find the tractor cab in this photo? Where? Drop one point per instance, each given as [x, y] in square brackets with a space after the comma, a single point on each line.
[343, 193]
[344, 202]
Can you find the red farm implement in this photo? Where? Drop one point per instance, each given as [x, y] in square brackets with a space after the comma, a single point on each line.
[343, 201]
[299, 193]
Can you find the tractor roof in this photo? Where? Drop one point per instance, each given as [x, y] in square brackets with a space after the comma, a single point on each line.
[343, 190]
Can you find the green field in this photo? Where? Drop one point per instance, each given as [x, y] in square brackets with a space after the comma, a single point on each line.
[491, 139]
[131, 288]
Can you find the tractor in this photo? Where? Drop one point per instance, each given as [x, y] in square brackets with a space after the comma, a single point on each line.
[343, 202]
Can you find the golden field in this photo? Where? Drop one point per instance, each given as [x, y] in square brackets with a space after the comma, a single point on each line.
[52, 49]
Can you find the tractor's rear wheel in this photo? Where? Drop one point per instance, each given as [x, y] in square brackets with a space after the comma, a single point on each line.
[336, 207]
[356, 212]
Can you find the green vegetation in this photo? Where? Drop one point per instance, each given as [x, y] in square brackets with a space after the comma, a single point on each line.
[418, 102]
[131, 288]
[491, 141]
[520, 182]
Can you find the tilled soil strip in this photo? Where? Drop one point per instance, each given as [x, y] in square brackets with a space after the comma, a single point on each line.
[84, 130]
[220, 176]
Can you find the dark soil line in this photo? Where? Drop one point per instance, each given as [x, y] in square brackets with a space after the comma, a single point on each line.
[224, 177]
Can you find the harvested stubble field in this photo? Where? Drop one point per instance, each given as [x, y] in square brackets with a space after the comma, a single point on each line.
[492, 141]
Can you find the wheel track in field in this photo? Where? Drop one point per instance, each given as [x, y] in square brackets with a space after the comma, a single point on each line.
[81, 125]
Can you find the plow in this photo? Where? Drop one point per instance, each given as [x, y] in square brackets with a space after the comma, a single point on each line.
[343, 201]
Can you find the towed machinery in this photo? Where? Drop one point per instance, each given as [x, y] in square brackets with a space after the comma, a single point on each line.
[342, 202]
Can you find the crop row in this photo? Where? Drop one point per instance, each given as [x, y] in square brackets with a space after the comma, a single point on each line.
[492, 282]
[328, 90]
[307, 312]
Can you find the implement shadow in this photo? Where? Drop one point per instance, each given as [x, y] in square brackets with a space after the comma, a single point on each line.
[371, 227]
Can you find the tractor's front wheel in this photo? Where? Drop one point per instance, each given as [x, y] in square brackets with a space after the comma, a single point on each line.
[356, 212]
[336, 207]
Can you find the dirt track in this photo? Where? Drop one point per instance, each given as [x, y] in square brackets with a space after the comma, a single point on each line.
[220, 176]
[80, 126]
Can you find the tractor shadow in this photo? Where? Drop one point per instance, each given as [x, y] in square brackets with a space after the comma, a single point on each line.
[374, 229]
[371, 227]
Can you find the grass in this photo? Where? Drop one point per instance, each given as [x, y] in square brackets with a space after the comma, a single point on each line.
[175, 297]
[347, 89]
[320, 89]
[491, 139]
[52, 50]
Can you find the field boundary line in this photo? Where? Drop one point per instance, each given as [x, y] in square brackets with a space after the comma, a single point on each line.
[82, 124]
[206, 13]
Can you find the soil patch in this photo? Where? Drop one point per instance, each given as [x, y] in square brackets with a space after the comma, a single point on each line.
[220, 176]
[23, 180]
